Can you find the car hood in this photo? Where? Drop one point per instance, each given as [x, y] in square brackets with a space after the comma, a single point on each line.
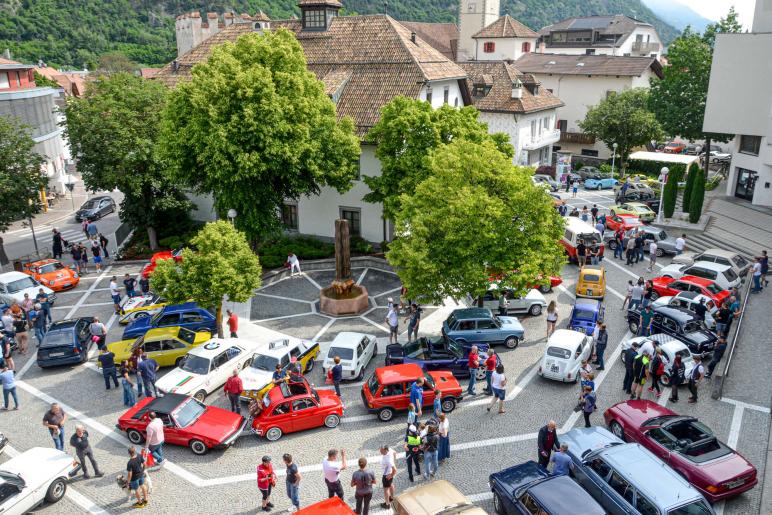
[160, 256]
[180, 381]
[513, 478]
[135, 302]
[38, 465]
[215, 423]
[328, 398]
[446, 382]
[254, 379]
[700, 337]
[121, 349]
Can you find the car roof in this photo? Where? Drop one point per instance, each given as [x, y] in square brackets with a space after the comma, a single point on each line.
[212, 347]
[676, 312]
[562, 494]
[700, 281]
[349, 339]
[280, 347]
[398, 373]
[691, 295]
[718, 252]
[566, 339]
[12, 276]
[710, 265]
[467, 313]
[673, 345]
[577, 225]
[181, 307]
[588, 304]
[591, 268]
[171, 331]
[99, 197]
[63, 325]
[165, 404]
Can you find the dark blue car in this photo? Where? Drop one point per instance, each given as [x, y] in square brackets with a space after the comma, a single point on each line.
[188, 315]
[67, 342]
[584, 315]
[437, 353]
[528, 488]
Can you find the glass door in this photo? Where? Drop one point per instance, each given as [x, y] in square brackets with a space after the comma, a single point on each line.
[746, 183]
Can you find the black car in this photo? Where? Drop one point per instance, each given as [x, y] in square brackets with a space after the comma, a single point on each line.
[95, 208]
[67, 342]
[679, 323]
[436, 353]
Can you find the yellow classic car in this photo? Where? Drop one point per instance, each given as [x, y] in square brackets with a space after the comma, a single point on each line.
[166, 345]
[592, 282]
[638, 209]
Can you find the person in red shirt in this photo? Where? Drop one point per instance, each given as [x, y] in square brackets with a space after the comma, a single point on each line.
[233, 388]
[473, 364]
[233, 323]
[266, 480]
[490, 367]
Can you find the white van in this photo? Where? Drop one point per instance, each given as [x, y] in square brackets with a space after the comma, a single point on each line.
[577, 230]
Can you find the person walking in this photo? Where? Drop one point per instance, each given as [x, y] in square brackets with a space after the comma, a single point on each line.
[57, 244]
[644, 321]
[443, 432]
[389, 468]
[266, 480]
[79, 440]
[417, 395]
[75, 253]
[698, 372]
[135, 476]
[628, 296]
[147, 369]
[96, 252]
[547, 442]
[154, 439]
[103, 243]
[292, 480]
[600, 346]
[129, 399]
[657, 370]
[412, 452]
[430, 444]
[392, 320]
[499, 387]
[233, 388]
[640, 373]
[293, 263]
[363, 480]
[552, 318]
[503, 304]
[115, 293]
[652, 256]
[337, 374]
[588, 405]
[91, 229]
[42, 299]
[490, 368]
[331, 468]
[680, 245]
[107, 361]
[7, 379]
[677, 377]
[99, 330]
[718, 353]
[413, 322]
[629, 357]
[233, 323]
[130, 284]
[54, 420]
[473, 364]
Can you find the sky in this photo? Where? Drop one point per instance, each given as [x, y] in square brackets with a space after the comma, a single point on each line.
[715, 9]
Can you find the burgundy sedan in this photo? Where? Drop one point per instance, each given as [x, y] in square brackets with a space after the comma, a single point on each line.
[684, 443]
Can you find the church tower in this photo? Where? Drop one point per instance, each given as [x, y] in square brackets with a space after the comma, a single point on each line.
[473, 16]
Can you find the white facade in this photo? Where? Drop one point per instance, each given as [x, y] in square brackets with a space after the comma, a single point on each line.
[644, 41]
[473, 16]
[532, 134]
[442, 92]
[503, 48]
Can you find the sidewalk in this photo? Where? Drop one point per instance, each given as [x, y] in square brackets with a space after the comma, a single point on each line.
[62, 210]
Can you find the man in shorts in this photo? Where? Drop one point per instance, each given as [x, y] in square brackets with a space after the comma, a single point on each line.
[136, 478]
[393, 322]
[388, 463]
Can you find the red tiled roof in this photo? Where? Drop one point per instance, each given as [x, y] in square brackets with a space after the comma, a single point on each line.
[442, 36]
[499, 77]
[506, 27]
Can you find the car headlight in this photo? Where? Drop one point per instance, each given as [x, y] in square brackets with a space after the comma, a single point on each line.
[51, 283]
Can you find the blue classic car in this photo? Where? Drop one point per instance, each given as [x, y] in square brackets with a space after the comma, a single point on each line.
[66, 342]
[480, 325]
[436, 353]
[188, 315]
[600, 184]
[528, 488]
[584, 314]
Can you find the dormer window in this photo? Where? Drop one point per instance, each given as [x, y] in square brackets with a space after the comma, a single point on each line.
[318, 14]
[314, 19]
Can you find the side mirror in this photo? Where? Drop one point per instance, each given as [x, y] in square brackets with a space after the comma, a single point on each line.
[682, 444]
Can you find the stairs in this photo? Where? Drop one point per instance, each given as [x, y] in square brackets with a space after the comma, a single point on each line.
[698, 242]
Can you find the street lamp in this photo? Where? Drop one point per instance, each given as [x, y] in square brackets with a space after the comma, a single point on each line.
[71, 186]
[232, 216]
[613, 157]
[663, 173]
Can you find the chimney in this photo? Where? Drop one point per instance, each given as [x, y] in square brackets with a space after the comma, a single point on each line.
[7, 53]
[517, 89]
[412, 38]
[175, 66]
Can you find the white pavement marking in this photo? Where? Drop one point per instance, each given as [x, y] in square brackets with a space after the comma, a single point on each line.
[88, 292]
[625, 270]
[745, 405]
[614, 292]
[734, 436]
[312, 282]
[565, 290]
[379, 326]
[388, 291]
[519, 387]
[289, 316]
[323, 329]
[284, 298]
[362, 276]
[85, 305]
[76, 497]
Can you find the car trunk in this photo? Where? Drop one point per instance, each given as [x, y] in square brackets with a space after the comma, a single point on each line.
[58, 352]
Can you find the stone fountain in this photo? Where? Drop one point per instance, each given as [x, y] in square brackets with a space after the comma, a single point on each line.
[343, 296]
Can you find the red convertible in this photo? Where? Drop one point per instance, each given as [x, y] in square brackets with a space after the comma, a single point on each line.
[186, 422]
[296, 406]
[684, 443]
[626, 222]
[669, 287]
[161, 256]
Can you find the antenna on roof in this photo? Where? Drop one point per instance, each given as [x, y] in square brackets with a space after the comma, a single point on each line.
[385, 7]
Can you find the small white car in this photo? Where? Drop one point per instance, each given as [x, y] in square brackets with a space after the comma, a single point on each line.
[670, 347]
[563, 355]
[689, 299]
[13, 286]
[37, 475]
[355, 351]
[722, 275]
[257, 377]
[533, 303]
[206, 367]
[739, 264]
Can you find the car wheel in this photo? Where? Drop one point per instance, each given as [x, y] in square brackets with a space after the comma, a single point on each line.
[56, 490]
[535, 310]
[448, 404]
[200, 395]
[665, 379]
[545, 288]
[332, 421]
[497, 505]
[480, 374]
[198, 447]
[633, 327]
[135, 436]
[654, 295]
[178, 361]
[660, 253]
[612, 245]
[617, 430]
[386, 414]
[273, 434]
[511, 342]
[310, 365]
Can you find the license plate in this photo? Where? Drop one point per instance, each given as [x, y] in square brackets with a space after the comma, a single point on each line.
[67, 285]
[555, 368]
[735, 484]
[589, 292]
[56, 354]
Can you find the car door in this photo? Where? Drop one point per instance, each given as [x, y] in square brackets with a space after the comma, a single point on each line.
[517, 304]
[173, 434]
[487, 331]
[428, 394]
[592, 476]
[104, 207]
[19, 499]
[154, 349]
[660, 442]
[305, 414]
[670, 326]
[168, 319]
[220, 371]
[394, 395]
[369, 345]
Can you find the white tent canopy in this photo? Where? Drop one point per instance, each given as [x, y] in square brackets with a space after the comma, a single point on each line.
[661, 157]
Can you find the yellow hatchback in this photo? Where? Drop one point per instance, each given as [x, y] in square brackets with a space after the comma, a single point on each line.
[166, 345]
[592, 282]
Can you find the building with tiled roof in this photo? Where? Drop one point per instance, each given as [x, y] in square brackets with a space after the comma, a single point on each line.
[505, 38]
[442, 36]
[601, 35]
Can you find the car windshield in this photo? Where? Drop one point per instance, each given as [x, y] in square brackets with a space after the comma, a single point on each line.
[263, 362]
[91, 204]
[429, 381]
[739, 261]
[583, 314]
[50, 267]
[693, 326]
[591, 278]
[590, 238]
[713, 288]
[196, 365]
[373, 385]
[57, 338]
[557, 352]
[188, 412]
[187, 335]
[693, 508]
[341, 352]
[730, 275]
[451, 320]
[21, 284]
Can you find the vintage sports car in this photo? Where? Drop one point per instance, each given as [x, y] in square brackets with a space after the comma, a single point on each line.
[140, 306]
[37, 475]
[52, 273]
[148, 269]
[563, 355]
[188, 315]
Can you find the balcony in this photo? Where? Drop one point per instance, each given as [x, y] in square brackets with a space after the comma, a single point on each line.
[643, 47]
[545, 138]
[579, 138]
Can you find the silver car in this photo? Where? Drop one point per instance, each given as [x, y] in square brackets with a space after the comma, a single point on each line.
[739, 264]
[665, 242]
[533, 303]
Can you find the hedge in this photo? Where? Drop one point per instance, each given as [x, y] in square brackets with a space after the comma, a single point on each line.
[274, 254]
[653, 168]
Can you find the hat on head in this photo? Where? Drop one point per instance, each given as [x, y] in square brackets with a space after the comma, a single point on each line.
[266, 459]
[412, 428]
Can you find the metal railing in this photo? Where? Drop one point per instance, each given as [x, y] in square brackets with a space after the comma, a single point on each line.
[718, 385]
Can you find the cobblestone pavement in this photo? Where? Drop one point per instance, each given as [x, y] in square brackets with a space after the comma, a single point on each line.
[224, 482]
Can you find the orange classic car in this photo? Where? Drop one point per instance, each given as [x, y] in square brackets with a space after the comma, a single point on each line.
[53, 274]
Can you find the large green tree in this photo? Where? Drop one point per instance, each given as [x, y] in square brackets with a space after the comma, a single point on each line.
[254, 127]
[623, 118]
[114, 131]
[21, 175]
[222, 265]
[474, 217]
[406, 133]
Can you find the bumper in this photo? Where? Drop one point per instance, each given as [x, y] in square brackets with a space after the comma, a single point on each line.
[367, 405]
[56, 362]
[233, 437]
[714, 498]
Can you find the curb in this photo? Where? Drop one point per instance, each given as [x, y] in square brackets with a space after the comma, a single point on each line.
[766, 486]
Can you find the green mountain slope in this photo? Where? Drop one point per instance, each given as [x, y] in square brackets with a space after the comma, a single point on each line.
[74, 33]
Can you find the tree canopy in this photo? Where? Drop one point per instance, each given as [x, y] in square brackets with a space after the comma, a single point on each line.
[406, 133]
[113, 131]
[474, 217]
[623, 118]
[21, 176]
[221, 265]
[254, 127]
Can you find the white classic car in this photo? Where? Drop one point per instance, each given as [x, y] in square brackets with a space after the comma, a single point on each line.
[13, 286]
[563, 355]
[355, 351]
[140, 306]
[257, 377]
[670, 347]
[37, 475]
[206, 368]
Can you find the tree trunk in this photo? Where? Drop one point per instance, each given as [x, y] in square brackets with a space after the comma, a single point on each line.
[707, 155]
[152, 236]
[219, 320]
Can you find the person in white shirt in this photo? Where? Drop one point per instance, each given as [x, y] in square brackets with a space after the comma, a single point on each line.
[498, 385]
[331, 469]
[388, 464]
[115, 293]
[680, 244]
[756, 271]
[393, 322]
[652, 255]
[294, 264]
[647, 348]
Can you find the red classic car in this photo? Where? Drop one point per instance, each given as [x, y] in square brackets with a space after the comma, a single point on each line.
[684, 443]
[388, 389]
[296, 406]
[626, 222]
[669, 287]
[332, 506]
[186, 422]
[160, 256]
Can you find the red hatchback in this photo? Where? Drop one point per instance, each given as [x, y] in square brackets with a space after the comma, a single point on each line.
[161, 256]
[186, 422]
[296, 406]
[669, 287]
[684, 443]
[626, 222]
[388, 389]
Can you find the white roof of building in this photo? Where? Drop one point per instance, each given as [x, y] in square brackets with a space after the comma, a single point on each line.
[662, 157]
